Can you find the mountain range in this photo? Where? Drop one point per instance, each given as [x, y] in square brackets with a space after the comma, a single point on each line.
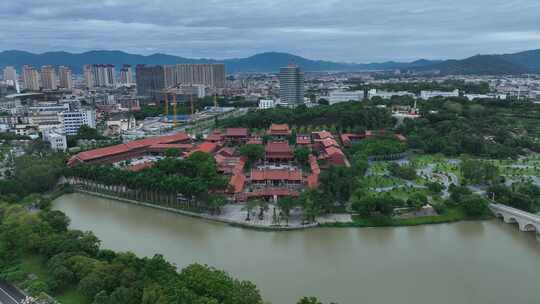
[517, 63]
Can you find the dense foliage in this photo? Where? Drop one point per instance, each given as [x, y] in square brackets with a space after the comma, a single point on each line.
[343, 115]
[489, 130]
[75, 261]
[379, 146]
[33, 173]
[193, 177]
[416, 87]
[524, 196]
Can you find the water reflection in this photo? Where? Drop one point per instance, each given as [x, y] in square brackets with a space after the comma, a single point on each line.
[469, 262]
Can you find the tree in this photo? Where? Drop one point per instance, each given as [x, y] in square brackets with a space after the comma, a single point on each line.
[248, 207]
[172, 152]
[252, 152]
[286, 204]
[302, 155]
[309, 300]
[474, 205]
[417, 200]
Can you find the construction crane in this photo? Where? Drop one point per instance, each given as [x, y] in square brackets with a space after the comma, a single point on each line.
[191, 102]
[166, 109]
[174, 110]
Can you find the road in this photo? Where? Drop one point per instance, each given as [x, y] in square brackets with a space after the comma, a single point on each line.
[9, 294]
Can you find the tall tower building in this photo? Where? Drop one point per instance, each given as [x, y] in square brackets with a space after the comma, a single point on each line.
[99, 75]
[126, 75]
[170, 75]
[10, 74]
[211, 75]
[150, 80]
[88, 76]
[291, 82]
[110, 72]
[66, 77]
[30, 78]
[48, 77]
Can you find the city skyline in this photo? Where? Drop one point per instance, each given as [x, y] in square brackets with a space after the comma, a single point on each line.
[334, 30]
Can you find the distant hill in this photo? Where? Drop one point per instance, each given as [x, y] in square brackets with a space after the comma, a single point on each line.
[264, 62]
[523, 62]
[480, 65]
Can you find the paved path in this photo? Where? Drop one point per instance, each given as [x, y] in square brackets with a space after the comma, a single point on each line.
[10, 294]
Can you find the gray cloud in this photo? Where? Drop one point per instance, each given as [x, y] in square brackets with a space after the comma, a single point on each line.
[359, 31]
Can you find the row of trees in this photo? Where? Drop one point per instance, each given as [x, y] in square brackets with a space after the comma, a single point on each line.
[195, 178]
[524, 196]
[343, 115]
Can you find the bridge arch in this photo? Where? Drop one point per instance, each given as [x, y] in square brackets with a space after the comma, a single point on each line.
[529, 227]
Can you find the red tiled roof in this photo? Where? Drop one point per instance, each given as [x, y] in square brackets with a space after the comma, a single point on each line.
[314, 165]
[329, 142]
[279, 129]
[262, 175]
[214, 137]
[102, 152]
[237, 182]
[323, 134]
[313, 181]
[206, 147]
[333, 150]
[277, 147]
[133, 145]
[237, 132]
[239, 168]
[171, 146]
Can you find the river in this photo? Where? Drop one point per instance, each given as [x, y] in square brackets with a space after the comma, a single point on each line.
[468, 262]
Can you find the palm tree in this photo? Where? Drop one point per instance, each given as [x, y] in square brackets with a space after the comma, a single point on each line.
[250, 205]
[263, 207]
[286, 204]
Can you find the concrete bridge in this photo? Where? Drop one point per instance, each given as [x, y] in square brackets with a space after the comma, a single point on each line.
[525, 220]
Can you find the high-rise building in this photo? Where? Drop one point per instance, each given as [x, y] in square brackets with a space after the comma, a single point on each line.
[88, 76]
[291, 82]
[126, 75]
[66, 77]
[10, 74]
[170, 75]
[48, 77]
[111, 75]
[99, 75]
[30, 78]
[150, 80]
[210, 75]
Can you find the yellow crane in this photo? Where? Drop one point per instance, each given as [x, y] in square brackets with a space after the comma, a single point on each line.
[166, 109]
[174, 110]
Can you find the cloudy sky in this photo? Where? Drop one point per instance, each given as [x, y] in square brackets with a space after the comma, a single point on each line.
[341, 30]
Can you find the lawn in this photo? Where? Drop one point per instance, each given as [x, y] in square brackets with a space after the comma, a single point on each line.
[451, 215]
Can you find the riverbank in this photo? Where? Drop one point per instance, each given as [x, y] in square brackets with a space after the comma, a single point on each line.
[232, 221]
[450, 216]
[330, 261]
[235, 219]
